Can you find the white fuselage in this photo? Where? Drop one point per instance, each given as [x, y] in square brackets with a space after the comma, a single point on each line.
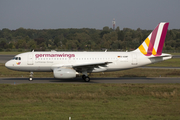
[47, 61]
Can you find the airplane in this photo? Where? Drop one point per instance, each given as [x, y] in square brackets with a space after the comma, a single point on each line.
[66, 65]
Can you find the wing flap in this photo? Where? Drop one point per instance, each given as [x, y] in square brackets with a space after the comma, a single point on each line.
[90, 64]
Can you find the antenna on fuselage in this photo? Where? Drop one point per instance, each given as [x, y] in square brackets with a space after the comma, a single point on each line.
[32, 50]
[105, 50]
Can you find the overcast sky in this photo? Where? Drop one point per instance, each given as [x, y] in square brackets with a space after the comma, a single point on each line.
[53, 14]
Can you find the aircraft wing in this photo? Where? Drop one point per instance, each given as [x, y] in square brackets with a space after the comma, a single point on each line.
[90, 64]
[100, 66]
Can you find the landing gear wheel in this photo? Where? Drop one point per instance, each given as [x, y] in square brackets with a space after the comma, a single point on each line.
[30, 79]
[83, 77]
[86, 79]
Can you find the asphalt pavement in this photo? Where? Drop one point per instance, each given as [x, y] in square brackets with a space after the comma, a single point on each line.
[133, 80]
[5, 58]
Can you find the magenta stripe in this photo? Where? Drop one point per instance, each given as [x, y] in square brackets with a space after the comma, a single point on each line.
[152, 41]
[162, 39]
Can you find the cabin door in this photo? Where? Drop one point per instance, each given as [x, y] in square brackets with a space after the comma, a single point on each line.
[30, 59]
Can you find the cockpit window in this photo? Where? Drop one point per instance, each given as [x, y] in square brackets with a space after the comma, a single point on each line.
[17, 58]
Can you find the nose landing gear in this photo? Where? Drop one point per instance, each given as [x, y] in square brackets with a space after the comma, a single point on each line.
[31, 76]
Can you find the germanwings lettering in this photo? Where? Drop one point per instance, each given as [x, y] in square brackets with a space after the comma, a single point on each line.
[55, 55]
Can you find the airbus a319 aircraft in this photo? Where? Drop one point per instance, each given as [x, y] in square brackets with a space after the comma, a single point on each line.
[66, 65]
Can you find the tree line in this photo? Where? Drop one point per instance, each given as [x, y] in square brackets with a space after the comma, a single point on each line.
[84, 39]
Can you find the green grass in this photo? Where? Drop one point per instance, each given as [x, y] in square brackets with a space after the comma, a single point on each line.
[10, 53]
[90, 101]
[174, 53]
[174, 62]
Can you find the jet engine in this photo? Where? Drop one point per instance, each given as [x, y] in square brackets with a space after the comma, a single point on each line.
[64, 73]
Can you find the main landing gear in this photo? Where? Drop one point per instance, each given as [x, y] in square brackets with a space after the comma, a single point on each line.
[85, 75]
[85, 78]
[31, 76]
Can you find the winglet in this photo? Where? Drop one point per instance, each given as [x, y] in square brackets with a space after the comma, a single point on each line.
[153, 44]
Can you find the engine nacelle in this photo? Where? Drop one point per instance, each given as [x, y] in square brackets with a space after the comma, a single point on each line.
[64, 73]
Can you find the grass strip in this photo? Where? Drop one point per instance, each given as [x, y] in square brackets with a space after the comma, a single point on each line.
[175, 62]
[10, 53]
[90, 101]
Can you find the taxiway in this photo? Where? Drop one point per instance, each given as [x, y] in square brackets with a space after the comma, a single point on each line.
[93, 80]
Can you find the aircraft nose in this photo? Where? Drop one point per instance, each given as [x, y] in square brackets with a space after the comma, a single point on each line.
[8, 64]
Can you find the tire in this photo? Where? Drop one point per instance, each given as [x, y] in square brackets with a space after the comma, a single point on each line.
[30, 79]
[83, 77]
[87, 79]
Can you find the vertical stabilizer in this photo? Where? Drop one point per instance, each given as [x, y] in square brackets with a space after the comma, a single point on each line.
[153, 44]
